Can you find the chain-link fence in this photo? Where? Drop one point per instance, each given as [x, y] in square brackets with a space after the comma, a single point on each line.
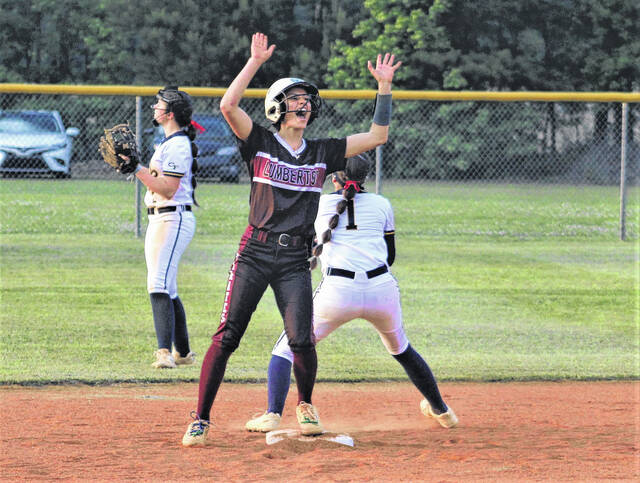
[56, 135]
[539, 142]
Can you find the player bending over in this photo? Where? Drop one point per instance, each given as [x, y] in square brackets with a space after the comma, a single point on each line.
[356, 284]
[287, 173]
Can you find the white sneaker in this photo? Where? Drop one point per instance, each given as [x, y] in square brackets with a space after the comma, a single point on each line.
[446, 420]
[164, 360]
[197, 432]
[187, 360]
[308, 419]
[264, 423]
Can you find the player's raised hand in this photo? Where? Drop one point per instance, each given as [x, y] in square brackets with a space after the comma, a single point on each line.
[260, 49]
[385, 68]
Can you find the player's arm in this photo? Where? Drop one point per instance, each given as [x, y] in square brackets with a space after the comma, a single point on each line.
[166, 186]
[389, 233]
[390, 240]
[239, 121]
[161, 184]
[379, 131]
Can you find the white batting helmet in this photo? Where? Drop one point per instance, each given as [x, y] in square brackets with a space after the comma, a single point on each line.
[275, 106]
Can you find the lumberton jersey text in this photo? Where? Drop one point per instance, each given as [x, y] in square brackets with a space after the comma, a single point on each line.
[272, 171]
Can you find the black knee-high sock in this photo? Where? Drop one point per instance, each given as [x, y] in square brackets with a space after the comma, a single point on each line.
[305, 366]
[180, 333]
[422, 377]
[163, 318]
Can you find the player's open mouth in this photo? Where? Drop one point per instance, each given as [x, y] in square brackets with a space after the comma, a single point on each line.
[302, 114]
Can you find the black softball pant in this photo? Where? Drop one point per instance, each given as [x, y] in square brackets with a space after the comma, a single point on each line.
[256, 266]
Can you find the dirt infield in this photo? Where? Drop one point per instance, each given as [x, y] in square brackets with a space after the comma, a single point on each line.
[583, 431]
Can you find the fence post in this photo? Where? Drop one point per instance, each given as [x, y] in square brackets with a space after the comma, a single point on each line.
[378, 170]
[623, 169]
[139, 144]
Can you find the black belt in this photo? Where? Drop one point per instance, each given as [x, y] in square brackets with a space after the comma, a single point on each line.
[167, 209]
[282, 239]
[340, 272]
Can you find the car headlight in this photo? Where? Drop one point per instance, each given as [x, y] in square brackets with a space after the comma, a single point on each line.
[226, 151]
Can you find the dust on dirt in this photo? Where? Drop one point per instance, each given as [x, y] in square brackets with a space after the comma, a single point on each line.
[536, 431]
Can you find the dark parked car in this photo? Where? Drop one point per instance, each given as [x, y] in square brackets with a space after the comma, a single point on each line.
[35, 142]
[218, 156]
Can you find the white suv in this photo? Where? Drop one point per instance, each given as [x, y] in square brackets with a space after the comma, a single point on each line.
[35, 142]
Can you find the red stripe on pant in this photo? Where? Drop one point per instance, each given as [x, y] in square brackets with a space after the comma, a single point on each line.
[215, 360]
[232, 278]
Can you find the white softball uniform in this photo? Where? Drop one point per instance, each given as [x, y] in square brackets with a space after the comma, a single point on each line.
[171, 221]
[356, 283]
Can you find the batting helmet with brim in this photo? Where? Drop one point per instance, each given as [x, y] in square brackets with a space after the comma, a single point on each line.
[275, 105]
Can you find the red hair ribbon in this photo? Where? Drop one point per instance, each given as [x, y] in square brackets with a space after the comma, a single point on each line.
[354, 184]
[198, 127]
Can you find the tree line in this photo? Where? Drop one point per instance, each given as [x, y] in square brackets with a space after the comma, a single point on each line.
[582, 45]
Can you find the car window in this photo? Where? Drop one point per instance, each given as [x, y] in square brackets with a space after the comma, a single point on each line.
[23, 122]
[215, 127]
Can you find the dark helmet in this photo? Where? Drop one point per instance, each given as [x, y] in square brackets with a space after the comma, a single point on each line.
[356, 169]
[275, 106]
[178, 102]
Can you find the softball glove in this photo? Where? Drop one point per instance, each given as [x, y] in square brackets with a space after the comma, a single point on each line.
[120, 140]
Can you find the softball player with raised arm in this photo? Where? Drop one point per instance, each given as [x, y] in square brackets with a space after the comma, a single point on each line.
[358, 231]
[287, 173]
[169, 199]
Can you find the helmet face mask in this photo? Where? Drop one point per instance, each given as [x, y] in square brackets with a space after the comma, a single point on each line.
[275, 102]
[178, 102]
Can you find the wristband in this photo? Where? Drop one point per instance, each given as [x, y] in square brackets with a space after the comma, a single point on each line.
[382, 112]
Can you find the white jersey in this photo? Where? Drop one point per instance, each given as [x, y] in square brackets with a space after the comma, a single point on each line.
[357, 243]
[172, 158]
[357, 246]
[169, 233]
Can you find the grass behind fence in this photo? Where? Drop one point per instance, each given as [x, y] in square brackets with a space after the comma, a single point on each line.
[497, 283]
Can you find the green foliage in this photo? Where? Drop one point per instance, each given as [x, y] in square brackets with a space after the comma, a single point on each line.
[491, 135]
[497, 44]
[497, 282]
[610, 34]
[43, 40]
[451, 44]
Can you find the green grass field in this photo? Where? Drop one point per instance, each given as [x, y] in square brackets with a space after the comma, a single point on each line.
[498, 283]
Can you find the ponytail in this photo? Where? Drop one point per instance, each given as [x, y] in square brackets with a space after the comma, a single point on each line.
[352, 178]
[190, 130]
[348, 193]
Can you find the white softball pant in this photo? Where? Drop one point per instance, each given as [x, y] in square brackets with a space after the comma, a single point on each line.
[167, 237]
[338, 300]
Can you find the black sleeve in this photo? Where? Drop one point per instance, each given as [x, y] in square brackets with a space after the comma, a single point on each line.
[390, 240]
[335, 150]
[249, 146]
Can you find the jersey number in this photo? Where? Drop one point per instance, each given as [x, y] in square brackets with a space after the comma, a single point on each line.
[351, 216]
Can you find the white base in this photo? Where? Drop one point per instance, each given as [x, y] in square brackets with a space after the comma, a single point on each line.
[278, 435]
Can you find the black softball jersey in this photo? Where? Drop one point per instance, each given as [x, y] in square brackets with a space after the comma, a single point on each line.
[286, 184]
